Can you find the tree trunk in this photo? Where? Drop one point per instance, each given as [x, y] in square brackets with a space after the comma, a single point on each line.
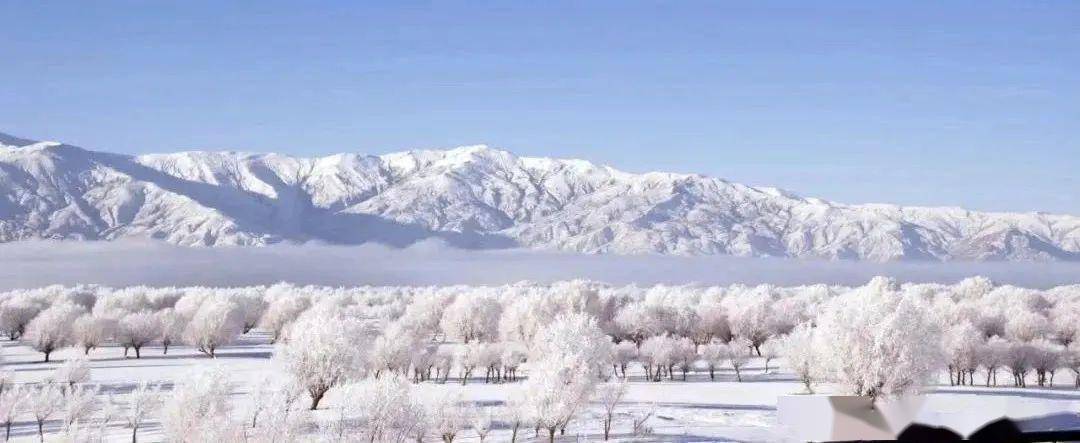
[138, 352]
[607, 427]
[133, 431]
[47, 353]
[316, 397]
[551, 435]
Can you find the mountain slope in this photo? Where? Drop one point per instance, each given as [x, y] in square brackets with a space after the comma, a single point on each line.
[478, 197]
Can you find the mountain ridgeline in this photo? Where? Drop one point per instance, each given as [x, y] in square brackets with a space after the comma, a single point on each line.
[477, 197]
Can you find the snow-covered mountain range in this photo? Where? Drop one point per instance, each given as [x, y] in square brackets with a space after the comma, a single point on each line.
[478, 197]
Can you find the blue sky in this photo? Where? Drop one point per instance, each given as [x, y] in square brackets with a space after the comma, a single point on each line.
[945, 103]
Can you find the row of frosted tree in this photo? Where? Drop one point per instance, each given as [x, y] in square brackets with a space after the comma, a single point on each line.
[565, 346]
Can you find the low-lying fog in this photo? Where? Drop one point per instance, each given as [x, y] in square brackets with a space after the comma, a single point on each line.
[120, 263]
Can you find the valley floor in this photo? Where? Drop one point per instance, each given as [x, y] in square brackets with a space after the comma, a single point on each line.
[687, 411]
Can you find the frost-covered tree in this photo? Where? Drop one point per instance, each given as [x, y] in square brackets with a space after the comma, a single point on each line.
[609, 396]
[277, 415]
[962, 344]
[74, 371]
[800, 355]
[1046, 358]
[447, 416]
[198, 409]
[624, 353]
[422, 361]
[323, 350]
[714, 354]
[513, 356]
[12, 403]
[684, 355]
[1026, 326]
[15, 314]
[481, 421]
[632, 324]
[516, 412]
[281, 312]
[555, 396]
[173, 326]
[770, 350]
[751, 316]
[137, 330]
[490, 358]
[737, 353]
[51, 330]
[657, 356]
[567, 361]
[139, 404]
[380, 407]
[1071, 360]
[639, 321]
[43, 403]
[993, 354]
[252, 307]
[90, 331]
[712, 323]
[468, 356]
[443, 363]
[7, 378]
[1018, 360]
[877, 341]
[79, 403]
[519, 320]
[393, 350]
[785, 313]
[1066, 323]
[216, 323]
[472, 317]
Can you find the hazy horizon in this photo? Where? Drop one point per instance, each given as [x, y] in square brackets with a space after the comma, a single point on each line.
[38, 263]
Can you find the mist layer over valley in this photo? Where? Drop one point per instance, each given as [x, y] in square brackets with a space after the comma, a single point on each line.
[133, 262]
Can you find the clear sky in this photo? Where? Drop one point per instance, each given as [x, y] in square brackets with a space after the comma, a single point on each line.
[942, 103]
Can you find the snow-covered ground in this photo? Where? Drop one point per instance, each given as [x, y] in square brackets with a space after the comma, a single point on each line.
[694, 410]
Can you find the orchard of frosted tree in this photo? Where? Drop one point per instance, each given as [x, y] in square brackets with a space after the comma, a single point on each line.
[560, 349]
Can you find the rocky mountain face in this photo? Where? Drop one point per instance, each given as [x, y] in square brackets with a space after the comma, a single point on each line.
[477, 197]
